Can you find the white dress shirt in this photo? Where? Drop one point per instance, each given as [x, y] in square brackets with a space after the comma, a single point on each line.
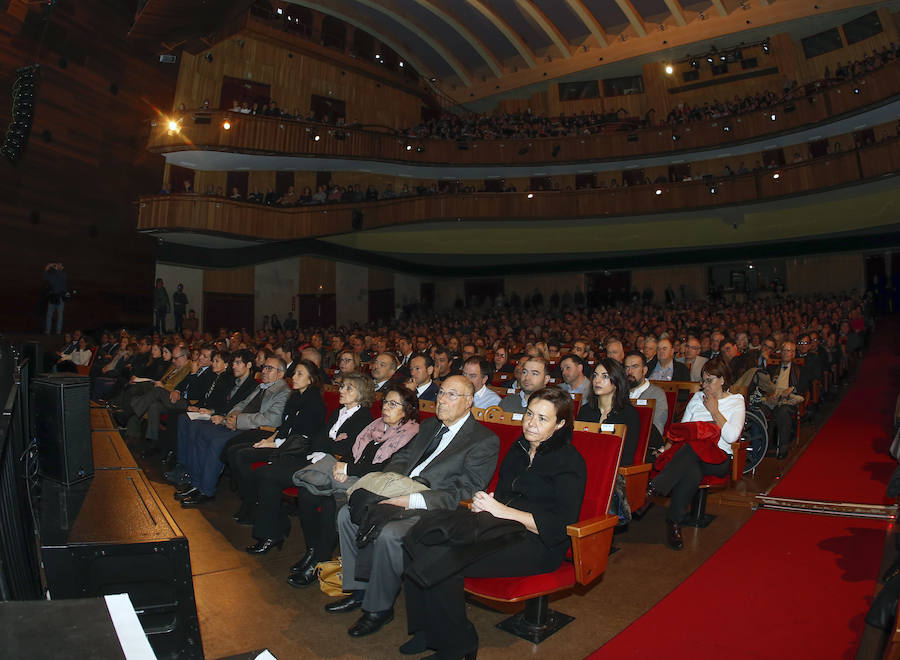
[416, 501]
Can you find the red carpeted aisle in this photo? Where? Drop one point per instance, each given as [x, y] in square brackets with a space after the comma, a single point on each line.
[792, 584]
[787, 585]
[848, 460]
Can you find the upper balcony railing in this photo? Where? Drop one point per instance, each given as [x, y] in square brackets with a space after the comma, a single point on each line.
[198, 213]
[286, 137]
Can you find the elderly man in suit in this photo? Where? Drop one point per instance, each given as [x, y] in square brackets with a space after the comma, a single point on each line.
[456, 456]
[263, 407]
[790, 382]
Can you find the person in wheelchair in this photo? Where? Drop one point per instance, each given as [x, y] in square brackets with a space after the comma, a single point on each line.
[685, 469]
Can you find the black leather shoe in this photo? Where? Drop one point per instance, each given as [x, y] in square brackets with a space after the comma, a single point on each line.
[370, 623]
[347, 604]
[303, 578]
[304, 563]
[185, 491]
[196, 499]
[648, 502]
[673, 535]
[264, 546]
[415, 645]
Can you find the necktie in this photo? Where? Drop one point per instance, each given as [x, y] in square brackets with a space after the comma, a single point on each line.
[433, 444]
[785, 366]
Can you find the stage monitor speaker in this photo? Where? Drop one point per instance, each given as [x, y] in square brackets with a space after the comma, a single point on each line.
[112, 535]
[60, 406]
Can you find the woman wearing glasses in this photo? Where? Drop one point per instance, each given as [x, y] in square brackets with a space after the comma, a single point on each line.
[608, 403]
[317, 508]
[682, 475]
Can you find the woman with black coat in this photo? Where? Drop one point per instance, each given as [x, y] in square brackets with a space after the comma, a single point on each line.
[539, 492]
[302, 418]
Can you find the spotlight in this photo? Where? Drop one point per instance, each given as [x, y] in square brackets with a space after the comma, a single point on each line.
[420, 149]
[279, 11]
[173, 125]
[712, 190]
[856, 90]
[316, 137]
[659, 191]
[669, 69]
[709, 59]
[530, 195]
[722, 58]
[726, 128]
[695, 64]
[226, 125]
[675, 137]
[773, 116]
[409, 147]
[401, 64]
[776, 176]
[765, 46]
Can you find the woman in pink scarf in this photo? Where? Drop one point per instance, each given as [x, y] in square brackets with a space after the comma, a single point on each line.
[375, 444]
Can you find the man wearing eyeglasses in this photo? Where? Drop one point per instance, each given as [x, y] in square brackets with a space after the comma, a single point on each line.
[692, 358]
[202, 456]
[454, 456]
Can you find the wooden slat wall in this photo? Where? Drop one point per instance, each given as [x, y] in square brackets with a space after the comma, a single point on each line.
[234, 280]
[293, 78]
[72, 198]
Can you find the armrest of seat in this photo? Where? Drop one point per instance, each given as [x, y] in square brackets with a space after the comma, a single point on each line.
[739, 461]
[591, 540]
[270, 429]
[636, 479]
[628, 470]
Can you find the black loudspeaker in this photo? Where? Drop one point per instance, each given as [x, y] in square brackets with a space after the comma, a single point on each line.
[112, 535]
[60, 405]
[356, 219]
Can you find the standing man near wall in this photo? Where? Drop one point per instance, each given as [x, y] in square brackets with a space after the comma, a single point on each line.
[55, 289]
[179, 304]
[160, 306]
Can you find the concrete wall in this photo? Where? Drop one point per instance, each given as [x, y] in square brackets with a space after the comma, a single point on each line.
[192, 278]
[407, 290]
[275, 285]
[352, 287]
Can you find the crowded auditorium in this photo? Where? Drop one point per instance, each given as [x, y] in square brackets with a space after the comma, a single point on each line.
[450, 329]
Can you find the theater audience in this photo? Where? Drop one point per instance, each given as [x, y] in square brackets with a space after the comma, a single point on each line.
[608, 403]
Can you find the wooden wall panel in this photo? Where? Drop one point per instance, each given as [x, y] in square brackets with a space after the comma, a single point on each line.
[71, 198]
[317, 276]
[261, 181]
[825, 273]
[234, 281]
[205, 182]
[293, 78]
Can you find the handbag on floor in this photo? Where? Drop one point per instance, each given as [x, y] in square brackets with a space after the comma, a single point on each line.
[331, 577]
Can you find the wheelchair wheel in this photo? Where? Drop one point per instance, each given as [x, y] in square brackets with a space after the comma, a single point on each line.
[757, 433]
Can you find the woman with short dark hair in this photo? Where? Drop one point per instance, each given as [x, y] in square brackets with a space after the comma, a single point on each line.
[685, 470]
[539, 492]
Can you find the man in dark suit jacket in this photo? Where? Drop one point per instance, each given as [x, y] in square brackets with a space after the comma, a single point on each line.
[456, 456]
[421, 370]
[789, 379]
